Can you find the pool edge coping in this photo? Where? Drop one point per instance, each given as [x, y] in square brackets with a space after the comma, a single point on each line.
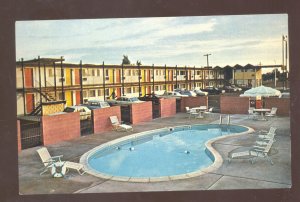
[218, 160]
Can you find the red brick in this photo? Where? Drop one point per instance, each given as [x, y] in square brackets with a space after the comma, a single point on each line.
[282, 104]
[102, 122]
[167, 107]
[193, 102]
[141, 112]
[60, 128]
[234, 105]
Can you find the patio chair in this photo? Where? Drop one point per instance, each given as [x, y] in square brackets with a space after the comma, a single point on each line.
[252, 114]
[193, 112]
[187, 109]
[253, 153]
[209, 112]
[47, 159]
[272, 113]
[118, 126]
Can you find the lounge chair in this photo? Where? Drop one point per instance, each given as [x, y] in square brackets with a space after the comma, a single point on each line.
[75, 166]
[272, 113]
[47, 159]
[253, 153]
[267, 135]
[118, 126]
[52, 162]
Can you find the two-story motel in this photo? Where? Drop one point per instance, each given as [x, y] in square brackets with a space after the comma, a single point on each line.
[48, 79]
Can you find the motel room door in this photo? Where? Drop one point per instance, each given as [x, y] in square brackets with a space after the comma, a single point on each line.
[29, 98]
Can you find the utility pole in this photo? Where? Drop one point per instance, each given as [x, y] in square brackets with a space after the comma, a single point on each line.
[206, 55]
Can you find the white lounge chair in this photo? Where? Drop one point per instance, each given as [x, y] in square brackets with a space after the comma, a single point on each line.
[272, 113]
[118, 126]
[52, 162]
[267, 135]
[253, 153]
[47, 159]
[75, 166]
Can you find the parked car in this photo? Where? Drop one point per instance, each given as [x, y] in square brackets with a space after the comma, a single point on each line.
[236, 87]
[284, 95]
[85, 113]
[188, 93]
[124, 100]
[96, 104]
[200, 92]
[213, 90]
[174, 94]
[229, 89]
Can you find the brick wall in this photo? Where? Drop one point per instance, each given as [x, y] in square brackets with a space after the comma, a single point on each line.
[60, 127]
[141, 112]
[167, 107]
[19, 135]
[193, 102]
[283, 105]
[102, 122]
[234, 105]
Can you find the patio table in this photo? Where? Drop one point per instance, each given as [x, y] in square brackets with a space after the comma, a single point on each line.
[200, 110]
[262, 113]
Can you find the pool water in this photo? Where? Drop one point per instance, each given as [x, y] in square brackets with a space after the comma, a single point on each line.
[160, 153]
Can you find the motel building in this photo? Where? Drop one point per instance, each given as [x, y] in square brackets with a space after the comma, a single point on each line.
[45, 80]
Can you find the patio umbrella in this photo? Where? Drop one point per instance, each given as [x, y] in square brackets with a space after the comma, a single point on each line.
[262, 91]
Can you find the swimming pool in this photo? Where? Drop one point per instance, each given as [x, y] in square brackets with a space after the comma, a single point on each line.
[159, 155]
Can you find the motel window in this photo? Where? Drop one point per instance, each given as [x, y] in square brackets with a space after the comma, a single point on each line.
[84, 93]
[182, 72]
[60, 96]
[107, 91]
[156, 72]
[50, 72]
[84, 72]
[106, 75]
[164, 87]
[93, 72]
[133, 73]
[156, 88]
[129, 72]
[128, 90]
[98, 72]
[100, 92]
[92, 93]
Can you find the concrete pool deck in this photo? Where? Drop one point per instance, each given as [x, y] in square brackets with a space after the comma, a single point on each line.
[239, 174]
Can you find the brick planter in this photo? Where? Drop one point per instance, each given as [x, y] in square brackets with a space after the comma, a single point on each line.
[193, 102]
[283, 105]
[141, 112]
[101, 120]
[234, 105]
[167, 107]
[61, 127]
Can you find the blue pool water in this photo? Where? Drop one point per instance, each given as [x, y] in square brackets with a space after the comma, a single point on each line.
[160, 153]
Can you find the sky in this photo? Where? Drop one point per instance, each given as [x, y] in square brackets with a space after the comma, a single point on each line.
[235, 39]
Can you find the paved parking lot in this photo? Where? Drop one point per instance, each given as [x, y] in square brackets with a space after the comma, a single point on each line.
[239, 174]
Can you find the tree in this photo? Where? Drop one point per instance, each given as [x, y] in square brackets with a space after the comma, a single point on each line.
[138, 63]
[125, 60]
